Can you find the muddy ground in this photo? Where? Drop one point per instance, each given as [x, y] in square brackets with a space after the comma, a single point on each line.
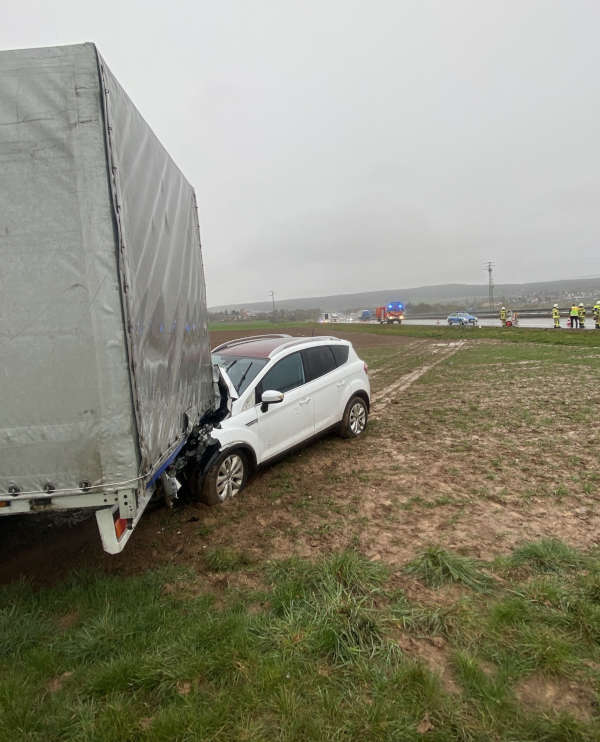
[464, 449]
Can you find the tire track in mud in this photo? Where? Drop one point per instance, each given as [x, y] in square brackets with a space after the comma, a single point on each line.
[409, 350]
[407, 379]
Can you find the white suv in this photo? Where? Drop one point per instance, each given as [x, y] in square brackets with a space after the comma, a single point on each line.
[285, 390]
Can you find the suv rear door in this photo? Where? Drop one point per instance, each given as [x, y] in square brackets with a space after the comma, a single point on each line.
[326, 379]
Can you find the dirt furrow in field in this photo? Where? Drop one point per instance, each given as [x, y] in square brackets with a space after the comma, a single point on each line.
[405, 381]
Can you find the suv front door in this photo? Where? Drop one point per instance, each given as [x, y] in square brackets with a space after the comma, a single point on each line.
[290, 422]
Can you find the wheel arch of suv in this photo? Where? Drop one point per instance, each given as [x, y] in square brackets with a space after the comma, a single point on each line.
[364, 396]
[244, 448]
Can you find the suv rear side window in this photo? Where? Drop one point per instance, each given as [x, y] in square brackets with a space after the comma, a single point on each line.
[340, 353]
[318, 361]
[286, 374]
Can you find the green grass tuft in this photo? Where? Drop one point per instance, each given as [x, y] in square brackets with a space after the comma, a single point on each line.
[226, 560]
[331, 604]
[426, 620]
[546, 555]
[436, 566]
[296, 578]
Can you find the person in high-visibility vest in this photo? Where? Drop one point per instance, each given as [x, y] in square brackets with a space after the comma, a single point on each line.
[581, 316]
[503, 316]
[556, 316]
[596, 313]
[574, 315]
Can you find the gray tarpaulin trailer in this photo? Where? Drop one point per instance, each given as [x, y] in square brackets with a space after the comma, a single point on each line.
[106, 383]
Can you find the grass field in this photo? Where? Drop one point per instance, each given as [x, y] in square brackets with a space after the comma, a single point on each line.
[438, 578]
[510, 335]
[326, 649]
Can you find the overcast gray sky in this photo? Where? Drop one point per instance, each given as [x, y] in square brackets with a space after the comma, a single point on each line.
[338, 145]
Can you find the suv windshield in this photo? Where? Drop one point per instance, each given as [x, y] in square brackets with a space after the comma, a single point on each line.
[240, 369]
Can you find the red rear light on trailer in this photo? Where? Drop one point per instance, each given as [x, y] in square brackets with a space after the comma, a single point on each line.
[120, 527]
[366, 368]
[4, 504]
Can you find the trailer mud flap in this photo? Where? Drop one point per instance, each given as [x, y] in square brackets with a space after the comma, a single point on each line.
[116, 531]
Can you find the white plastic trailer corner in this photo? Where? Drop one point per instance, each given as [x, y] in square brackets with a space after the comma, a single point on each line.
[106, 385]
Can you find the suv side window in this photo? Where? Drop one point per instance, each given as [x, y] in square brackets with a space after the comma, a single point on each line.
[286, 374]
[318, 361]
[340, 353]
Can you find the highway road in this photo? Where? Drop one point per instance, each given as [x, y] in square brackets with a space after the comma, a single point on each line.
[537, 323]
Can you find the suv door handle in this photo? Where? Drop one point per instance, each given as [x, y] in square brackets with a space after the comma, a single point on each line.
[304, 401]
[340, 384]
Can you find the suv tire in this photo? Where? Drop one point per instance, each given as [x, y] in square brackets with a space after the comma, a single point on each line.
[355, 418]
[226, 477]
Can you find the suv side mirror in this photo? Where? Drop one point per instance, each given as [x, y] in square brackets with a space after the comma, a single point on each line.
[270, 397]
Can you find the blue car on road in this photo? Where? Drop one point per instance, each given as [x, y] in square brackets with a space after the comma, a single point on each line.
[462, 319]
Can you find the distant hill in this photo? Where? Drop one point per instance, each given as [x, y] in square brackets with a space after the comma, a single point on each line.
[449, 292]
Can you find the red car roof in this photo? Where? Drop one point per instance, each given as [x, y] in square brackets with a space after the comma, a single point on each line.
[258, 347]
[254, 348]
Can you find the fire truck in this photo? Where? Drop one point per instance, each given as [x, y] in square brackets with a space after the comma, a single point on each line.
[391, 313]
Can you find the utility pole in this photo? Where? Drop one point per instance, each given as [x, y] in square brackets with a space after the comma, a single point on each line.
[273, 299]
[489, 268]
